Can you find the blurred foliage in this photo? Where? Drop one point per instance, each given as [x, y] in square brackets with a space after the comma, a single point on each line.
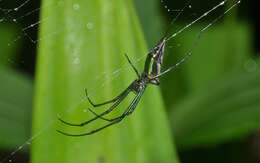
[16, 92]
[212, 99]
[15, 107]
[199, 104]
[225, 110]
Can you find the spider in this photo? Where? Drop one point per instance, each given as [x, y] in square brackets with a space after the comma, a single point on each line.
[150, 75]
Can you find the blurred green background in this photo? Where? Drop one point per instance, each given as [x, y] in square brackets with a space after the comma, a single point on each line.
[211, 101]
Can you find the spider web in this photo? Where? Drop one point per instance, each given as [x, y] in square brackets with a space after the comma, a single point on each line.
[12, 15]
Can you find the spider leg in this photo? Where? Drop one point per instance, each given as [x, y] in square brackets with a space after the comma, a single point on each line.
[128, 111]
[97, 115]
[93, 131]
[132, 65]
[131, 107]
[120, 99]
[137, 101]
[104, 103]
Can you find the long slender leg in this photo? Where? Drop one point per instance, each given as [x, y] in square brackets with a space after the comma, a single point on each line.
[128, 111]
[132, 106]
[126, 92]
[116, 98]
[97, 115]
[132, 65]
[196, 42]
[93, 131]
[137, 101]
[104, 103]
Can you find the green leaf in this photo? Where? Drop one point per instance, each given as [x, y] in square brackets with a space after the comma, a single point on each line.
[223, 111]
[90, 39]
[15, 108]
